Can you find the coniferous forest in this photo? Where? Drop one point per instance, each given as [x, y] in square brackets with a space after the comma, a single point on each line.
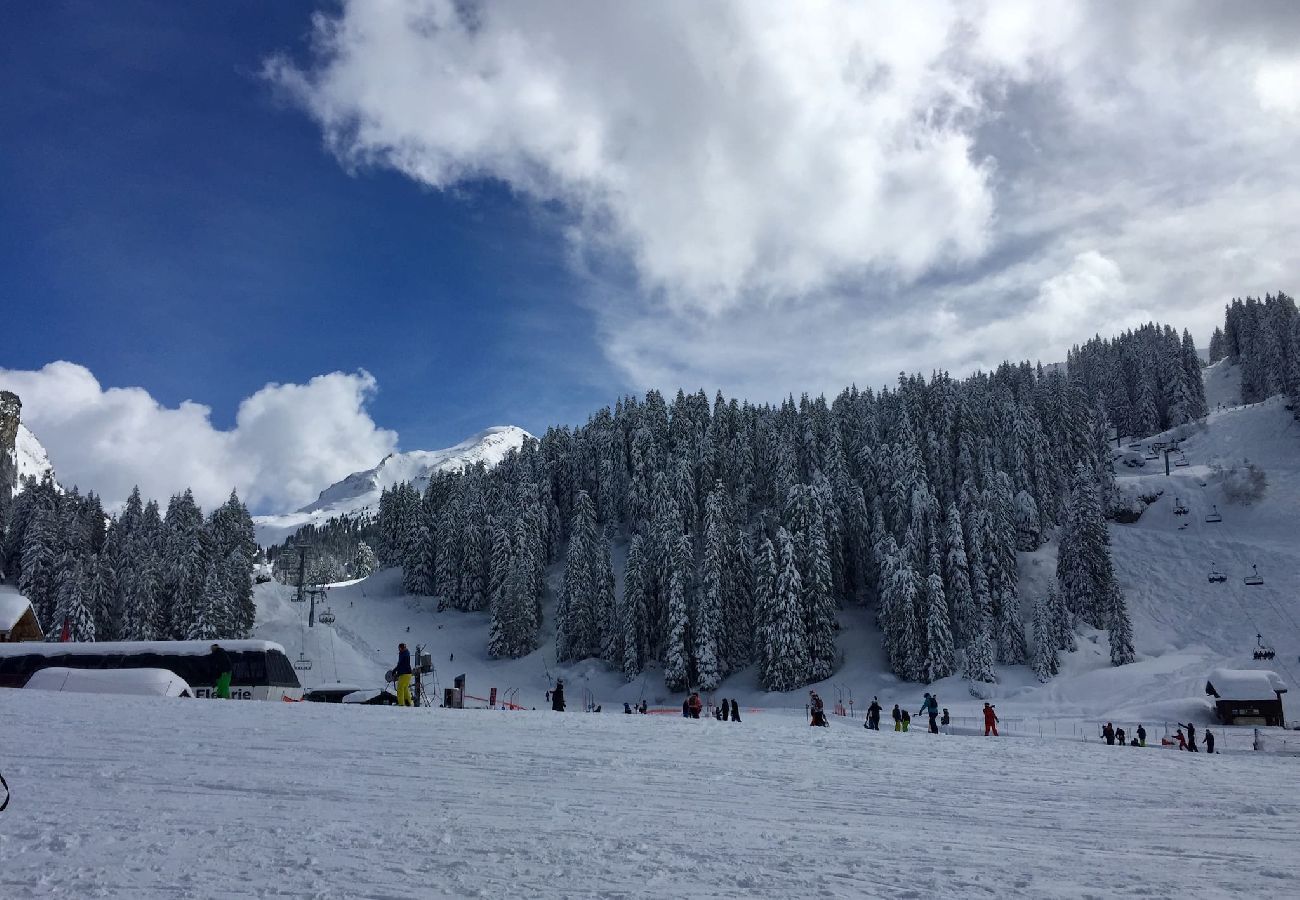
[698, 536]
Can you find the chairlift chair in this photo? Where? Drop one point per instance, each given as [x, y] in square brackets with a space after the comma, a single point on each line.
[1152, 454]
[327, 617]
[1181, 461]
[1136, 445]
[1179, 508]
[302, 663]
[1217, 577]
[1214, 516]
[1255, 578]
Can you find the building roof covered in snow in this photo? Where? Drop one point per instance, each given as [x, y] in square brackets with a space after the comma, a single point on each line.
[1244, 684]
[17, 618]
[177, 648]
[139, 682]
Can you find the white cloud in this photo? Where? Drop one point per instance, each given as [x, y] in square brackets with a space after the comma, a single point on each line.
[832, 192]
[289, 440]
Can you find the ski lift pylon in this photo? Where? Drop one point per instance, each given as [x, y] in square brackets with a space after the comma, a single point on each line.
[1214, 516]
[1254, 578]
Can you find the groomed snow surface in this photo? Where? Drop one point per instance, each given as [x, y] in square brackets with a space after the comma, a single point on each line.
[147, 797]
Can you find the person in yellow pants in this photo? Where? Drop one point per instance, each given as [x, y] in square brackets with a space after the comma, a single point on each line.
[402, 673]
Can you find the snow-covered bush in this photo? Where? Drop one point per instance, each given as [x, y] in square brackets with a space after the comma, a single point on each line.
[1243, 483]
[1131, 501]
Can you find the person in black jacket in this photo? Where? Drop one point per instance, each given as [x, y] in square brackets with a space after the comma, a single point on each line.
[735, 710]
[873, 714]
[402, 673]
[1209, 741]
[557, 697]
[1191, 738]
[222, 666]
[1109, 734]
[898, 718]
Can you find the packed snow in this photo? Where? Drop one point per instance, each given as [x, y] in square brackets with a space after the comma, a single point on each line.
[359, 492]
[188, 798]
[140, 682]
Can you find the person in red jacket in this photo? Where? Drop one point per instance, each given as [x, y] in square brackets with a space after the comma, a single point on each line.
[990, 721]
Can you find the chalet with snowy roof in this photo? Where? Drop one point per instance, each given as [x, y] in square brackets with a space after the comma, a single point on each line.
[17, 618]
[1247, 696]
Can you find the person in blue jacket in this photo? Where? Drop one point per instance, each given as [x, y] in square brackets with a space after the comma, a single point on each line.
[930, 707]
[402, 675]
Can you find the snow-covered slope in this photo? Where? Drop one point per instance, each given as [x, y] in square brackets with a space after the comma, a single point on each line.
[335, 801]
[31, 457]
[1184, 626]
[359, 492]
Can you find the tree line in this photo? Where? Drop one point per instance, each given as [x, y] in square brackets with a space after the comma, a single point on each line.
[1263, 337]
[140, 575]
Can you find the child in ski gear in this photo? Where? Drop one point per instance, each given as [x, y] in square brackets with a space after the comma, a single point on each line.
[898, 718]
[1209, 741]
[222, 666]
[402, 675]
[907, 719]
[557, 697]
[1119, 737]
[990, 720]
[1142, 736]
[686, 708]
[1182, 741]
[945, 719]
[627, 709]
[873, 714]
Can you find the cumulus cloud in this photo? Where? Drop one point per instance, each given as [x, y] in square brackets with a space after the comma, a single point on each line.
[916, 185]
[289, 440]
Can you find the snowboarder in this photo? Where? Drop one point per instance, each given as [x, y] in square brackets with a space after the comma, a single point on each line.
[1209, 741]
[1142, 735]
[402, 675]
[1191, 738]
[1119, 737]
[557, 697]
[696, 705]
[873, 714]
[1109, 734]
[990, 720]
[222, 666]
[735, 710]
[898, 718]
[907, 720]
[930, 707]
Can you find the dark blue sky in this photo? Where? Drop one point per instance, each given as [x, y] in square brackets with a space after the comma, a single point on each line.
[168, 222]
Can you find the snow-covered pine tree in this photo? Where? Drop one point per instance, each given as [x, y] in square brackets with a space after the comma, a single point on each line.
[1121, 629]
[1062, 620]
[364, 562]
[1046, 663]
[786, 664]
[938, 660]
[576, 618]
[39, 578]
[707, 627]
[818, 602]
[979, 661]
[1028, 530]
[677, 660]
[966, 616]
[635, 607]
[1011, 631]
[73, 606]
[1083, 567]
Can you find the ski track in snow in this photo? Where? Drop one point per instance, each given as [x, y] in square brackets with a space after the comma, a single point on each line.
[143, 798]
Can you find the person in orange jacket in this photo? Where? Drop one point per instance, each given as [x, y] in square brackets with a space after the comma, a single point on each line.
[696, 705]
[990, 720]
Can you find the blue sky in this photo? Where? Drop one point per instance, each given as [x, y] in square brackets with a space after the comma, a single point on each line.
[171, 223]
[513, 213]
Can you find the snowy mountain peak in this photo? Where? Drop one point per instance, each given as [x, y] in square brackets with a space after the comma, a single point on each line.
[359, 492]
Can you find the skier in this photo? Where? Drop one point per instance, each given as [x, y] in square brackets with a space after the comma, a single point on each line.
[557, 697]
[1119, 737]
[696, 705]
[1142, 735]
[930, 707]
[735, 710]
[898, 718]
[1209, 741]
[1109, 734]
[907, 720]
[873, 714]
[222, 666]
[990, 720]
[402, 674]
[1191, 738]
